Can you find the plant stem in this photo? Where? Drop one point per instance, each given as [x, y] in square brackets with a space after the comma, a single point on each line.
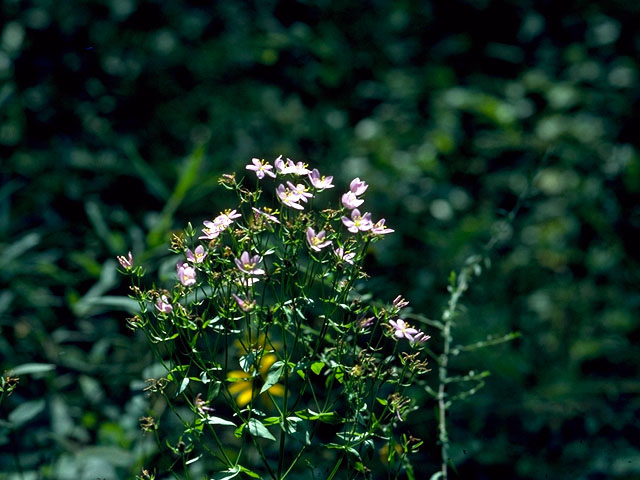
[458, 286]
[442, 406]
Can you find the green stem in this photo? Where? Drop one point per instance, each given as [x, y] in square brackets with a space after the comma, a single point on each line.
[336, 467]
[442, 406]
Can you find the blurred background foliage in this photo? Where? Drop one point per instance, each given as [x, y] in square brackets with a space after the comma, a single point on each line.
[118, 116]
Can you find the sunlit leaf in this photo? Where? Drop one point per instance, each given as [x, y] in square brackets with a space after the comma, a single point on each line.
[273, 375]
[226, 474]
[30, 368]
[257, 429]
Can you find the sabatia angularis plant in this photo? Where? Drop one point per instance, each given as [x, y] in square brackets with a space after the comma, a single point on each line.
[275, 365]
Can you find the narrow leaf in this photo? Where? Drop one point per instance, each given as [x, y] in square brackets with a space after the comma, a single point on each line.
[183, 385]
[188, 177]
[248, 472]
[30, 368]
[25, 412]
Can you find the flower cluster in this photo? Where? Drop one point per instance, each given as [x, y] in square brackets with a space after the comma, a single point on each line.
[261, 305]
[219, 224]
[350, 199]
[292, 195]
[360, 222]
[295, 195]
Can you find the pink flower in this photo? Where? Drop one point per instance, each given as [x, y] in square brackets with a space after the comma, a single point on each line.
[358, 187]
[226, 218]
[317, 242]
[211, 230]
[198, 256]
[403, 330]
[284, 168]
[202, 405]
[266, 215]
[421, 337]
[300, 190]
[350, 201]
[126, 262]
[186, 274]
[289, 198]
[289, 167]
[245, 305]
[366, 322]
[380, 229]
[399, 302]
[320, 182]
[163, 305]
[261, 168]
[358, 223]
[248, 264]
[300, 168]
[345, 257]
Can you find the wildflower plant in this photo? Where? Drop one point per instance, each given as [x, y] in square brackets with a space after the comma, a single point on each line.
[275, 365]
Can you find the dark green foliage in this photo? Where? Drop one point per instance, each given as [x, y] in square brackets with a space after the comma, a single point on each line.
[118, 116]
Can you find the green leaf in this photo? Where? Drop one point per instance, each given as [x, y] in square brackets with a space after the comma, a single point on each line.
[149, 175]
[247, 361]
[298, 429]
[325, 417]
[30, 368]
[25, 412]
[227, 474]
[188, 177]
[346, 448]
[107, 280]
[257, 429]
[274, 374]
[12, 252]
[381, 401]
[215, 390]
[219, 421]
[316, 367]
[183, 385]
[271, 421]
[248, 472]
[164, 339]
